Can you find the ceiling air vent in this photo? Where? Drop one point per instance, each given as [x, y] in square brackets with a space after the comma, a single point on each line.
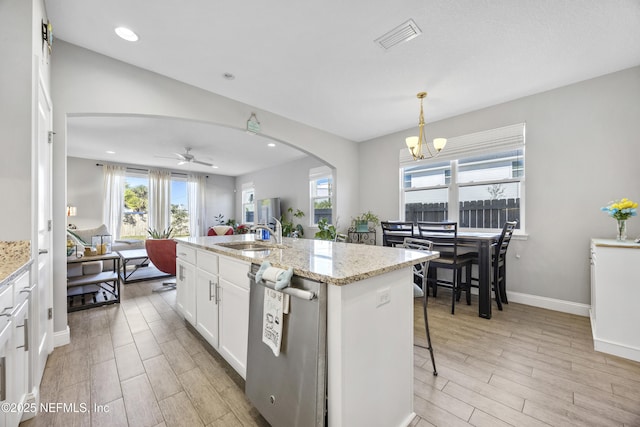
[402, 33]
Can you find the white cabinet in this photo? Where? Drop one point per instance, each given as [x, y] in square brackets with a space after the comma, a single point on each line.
[186, 282]
[614, 297]
[207, 297]
[217, 302]
[234, 325]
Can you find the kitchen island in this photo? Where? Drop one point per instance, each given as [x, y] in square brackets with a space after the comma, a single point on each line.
[369, 315]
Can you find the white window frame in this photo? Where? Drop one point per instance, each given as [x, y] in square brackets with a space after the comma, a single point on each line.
[316, 174]
[246, 188]
[492, 141]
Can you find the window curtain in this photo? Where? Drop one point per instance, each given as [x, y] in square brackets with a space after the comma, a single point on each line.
[114, 183]
[196, 186]
[159, 199]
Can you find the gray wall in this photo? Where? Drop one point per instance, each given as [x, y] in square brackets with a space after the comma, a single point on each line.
[582, 151]
[85, 192]
[290, 182]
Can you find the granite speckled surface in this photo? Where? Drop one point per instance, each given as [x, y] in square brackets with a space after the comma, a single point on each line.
[15, 256]
[323, 261]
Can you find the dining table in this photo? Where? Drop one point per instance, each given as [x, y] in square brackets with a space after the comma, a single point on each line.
[482, 242]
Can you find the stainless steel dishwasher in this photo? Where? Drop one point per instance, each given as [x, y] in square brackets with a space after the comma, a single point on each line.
[290, 389]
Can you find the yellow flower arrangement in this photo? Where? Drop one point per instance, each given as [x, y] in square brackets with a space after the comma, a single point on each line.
[622, 209]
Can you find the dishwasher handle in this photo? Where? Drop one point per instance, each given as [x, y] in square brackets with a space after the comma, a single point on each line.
[294, 292]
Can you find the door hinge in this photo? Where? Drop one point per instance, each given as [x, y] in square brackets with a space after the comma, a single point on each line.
[49, 225]
[50, 139]
[50, 313]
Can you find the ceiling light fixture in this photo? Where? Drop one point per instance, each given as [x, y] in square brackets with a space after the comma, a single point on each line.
[126, 34]
[110, 152]
[414, 143]
[271, 144]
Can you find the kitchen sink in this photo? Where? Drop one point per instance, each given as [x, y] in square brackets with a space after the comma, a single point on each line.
[249, 246]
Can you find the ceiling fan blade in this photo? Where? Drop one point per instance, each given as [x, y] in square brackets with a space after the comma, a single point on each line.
[181, 156]
[202, 163]
[164, 157]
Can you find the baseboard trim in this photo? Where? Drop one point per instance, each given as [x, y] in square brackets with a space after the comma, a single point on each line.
[550, 303]
[61, 338]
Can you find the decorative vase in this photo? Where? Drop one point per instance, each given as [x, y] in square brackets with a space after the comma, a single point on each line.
[362, 226]
[622, 230]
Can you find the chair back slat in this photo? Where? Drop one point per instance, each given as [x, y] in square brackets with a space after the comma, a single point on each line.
[444, 236]
[394, 232]
[507, 232]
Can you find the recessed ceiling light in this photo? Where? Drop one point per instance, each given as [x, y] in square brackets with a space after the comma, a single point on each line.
[228, 76]
[214, 166]
[110, 152]
[126, 34]
[271, 144]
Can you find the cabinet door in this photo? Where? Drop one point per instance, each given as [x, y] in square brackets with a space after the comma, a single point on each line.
[234, 325]
[186, 290]
[7, 393]
[207, 306]
[20, 370]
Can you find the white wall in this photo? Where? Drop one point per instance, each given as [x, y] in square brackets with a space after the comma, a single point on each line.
[221, 194]
[85, 82]
[289, 182]
[16, 112]
[582, 150]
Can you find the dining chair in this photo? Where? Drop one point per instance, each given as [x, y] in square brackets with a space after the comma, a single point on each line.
[394, 232]
[420, 275]
[444, 236]
[340, 237]
[499, 264]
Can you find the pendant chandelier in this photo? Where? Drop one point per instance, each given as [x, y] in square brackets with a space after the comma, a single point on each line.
[415, 143]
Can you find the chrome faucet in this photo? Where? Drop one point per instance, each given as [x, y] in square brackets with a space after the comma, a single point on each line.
[277, 235]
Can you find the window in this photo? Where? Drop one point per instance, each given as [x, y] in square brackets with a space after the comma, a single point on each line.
[248, 203]
[321, 194]
[179, 207]
[480, 184]
[135, 220]
[136, 203]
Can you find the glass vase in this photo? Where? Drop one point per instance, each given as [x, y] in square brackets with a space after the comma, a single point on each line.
[622, 230]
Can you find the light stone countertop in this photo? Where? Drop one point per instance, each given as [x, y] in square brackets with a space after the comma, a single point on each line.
[15, 257]
[324, 261]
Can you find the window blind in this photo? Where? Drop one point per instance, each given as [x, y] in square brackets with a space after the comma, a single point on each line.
[473, 144]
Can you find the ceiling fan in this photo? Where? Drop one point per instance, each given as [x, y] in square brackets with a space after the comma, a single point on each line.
[186, 157]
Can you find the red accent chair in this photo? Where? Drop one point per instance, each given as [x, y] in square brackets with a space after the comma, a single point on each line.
[162, 253]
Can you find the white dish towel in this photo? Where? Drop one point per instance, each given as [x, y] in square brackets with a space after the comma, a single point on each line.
[274, 305]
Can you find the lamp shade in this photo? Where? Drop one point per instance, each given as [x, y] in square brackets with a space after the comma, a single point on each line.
[439, 143]
[412, 142]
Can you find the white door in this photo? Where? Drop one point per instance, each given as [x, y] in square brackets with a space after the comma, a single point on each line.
[42, 294]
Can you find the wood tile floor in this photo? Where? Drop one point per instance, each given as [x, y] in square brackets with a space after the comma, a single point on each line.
[525, 367]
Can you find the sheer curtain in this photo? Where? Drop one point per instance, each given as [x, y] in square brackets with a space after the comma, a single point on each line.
[196, 185]
[159, 199]
[114, 180]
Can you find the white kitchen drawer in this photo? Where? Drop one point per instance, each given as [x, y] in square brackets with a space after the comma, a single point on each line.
[234, 271]
[21, 288]
[208, 261]
[6, 305]
[186, 253]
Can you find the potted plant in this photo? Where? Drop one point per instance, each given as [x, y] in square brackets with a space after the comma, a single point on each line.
[361, 222]
[160, 234]
[326, 231]
[288, 227]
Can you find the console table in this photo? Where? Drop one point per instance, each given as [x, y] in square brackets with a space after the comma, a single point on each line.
[364, 237]
[94, 290]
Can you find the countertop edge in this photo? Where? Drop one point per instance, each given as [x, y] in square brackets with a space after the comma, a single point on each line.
[336, 281]
[11, 276]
